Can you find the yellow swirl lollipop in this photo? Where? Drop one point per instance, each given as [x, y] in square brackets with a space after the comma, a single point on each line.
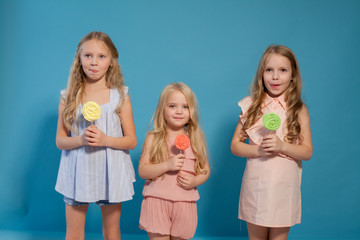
[91, 111]
[271, 121]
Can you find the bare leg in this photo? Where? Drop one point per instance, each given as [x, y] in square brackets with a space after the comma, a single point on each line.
[111, 221]
[156, 236]
[257, 232]
[279, 233]
[75, 222]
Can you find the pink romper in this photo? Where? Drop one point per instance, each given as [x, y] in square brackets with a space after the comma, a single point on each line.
[167, 208]
[270, 190]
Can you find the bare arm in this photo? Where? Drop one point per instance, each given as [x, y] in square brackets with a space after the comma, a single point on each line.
[95, 137]
[63, 140]
[147, 170]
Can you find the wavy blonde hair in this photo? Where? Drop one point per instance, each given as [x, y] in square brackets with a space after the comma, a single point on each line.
[292, 94]
[75, 91]
[159, 150]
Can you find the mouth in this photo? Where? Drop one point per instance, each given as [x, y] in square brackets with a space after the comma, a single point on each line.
[275, 85]
[93, 71]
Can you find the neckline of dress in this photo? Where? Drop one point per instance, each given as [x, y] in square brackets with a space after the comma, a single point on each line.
[103, 105]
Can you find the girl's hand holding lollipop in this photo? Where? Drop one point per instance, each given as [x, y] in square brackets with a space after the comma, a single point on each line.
[91, 112]
[271, 143]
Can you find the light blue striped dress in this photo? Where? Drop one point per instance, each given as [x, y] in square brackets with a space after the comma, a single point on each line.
[90, 174]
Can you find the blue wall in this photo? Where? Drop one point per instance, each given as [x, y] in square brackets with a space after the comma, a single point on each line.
[214, 47]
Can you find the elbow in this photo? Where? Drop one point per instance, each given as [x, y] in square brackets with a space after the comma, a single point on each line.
[308, 155]
[133, 144]
[142, 174]
[233, 149]
[58, 144]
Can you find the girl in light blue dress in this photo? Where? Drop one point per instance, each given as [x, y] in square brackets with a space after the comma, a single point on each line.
[95, 163]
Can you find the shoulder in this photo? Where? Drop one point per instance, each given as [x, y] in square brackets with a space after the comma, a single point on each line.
[148, 140]
[304, 110]
[150, 137]
[304, 114]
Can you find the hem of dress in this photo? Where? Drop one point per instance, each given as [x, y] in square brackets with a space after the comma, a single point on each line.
[270, 225]
[94, 201]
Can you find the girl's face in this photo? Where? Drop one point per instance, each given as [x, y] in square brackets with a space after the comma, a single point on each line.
[277, 74]
[177, 112]
[95, 59]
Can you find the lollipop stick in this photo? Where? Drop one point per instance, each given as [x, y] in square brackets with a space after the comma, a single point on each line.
[92, 148]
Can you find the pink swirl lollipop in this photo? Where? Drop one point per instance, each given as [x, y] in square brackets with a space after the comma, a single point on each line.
[182, 142]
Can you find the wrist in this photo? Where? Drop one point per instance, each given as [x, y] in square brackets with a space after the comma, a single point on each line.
[167, 165]
[81, 140]
[106, 141]
[283, 147]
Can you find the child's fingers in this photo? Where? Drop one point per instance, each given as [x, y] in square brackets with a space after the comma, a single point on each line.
[182, 183]
[180, 156]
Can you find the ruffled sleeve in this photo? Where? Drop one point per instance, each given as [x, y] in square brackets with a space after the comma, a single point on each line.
[126, 90]
[63, 93]
[256, 132]
[244, 104]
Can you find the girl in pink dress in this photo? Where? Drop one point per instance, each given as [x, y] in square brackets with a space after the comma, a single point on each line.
[270, 200]
[168, 210]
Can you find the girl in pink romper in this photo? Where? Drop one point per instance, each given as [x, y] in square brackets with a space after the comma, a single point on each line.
[270, 200]
[168, 210]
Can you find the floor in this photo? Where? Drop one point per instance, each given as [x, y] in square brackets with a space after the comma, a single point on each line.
[14, 235]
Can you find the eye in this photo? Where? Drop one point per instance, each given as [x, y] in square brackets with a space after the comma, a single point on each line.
[268, 70]
[186, 106]
[87, 55]
[171, 106]
[283, 70]
[102, 56]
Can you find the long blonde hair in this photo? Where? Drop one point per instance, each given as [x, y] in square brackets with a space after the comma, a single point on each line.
[292, 94]
[75, 91]
[159, 149]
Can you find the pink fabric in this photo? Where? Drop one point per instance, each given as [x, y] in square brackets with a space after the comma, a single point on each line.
[178, 219]
[166, 187]
[270, 191]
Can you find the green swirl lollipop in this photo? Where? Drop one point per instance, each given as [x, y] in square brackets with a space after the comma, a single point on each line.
[271, 121]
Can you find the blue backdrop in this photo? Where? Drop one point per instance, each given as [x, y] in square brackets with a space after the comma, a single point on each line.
[214, 46]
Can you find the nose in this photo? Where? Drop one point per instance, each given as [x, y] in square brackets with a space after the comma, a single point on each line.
[94, 61]
[179, 110]
[276, 75]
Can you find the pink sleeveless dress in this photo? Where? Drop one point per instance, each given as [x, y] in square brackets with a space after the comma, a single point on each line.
[270, 190]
